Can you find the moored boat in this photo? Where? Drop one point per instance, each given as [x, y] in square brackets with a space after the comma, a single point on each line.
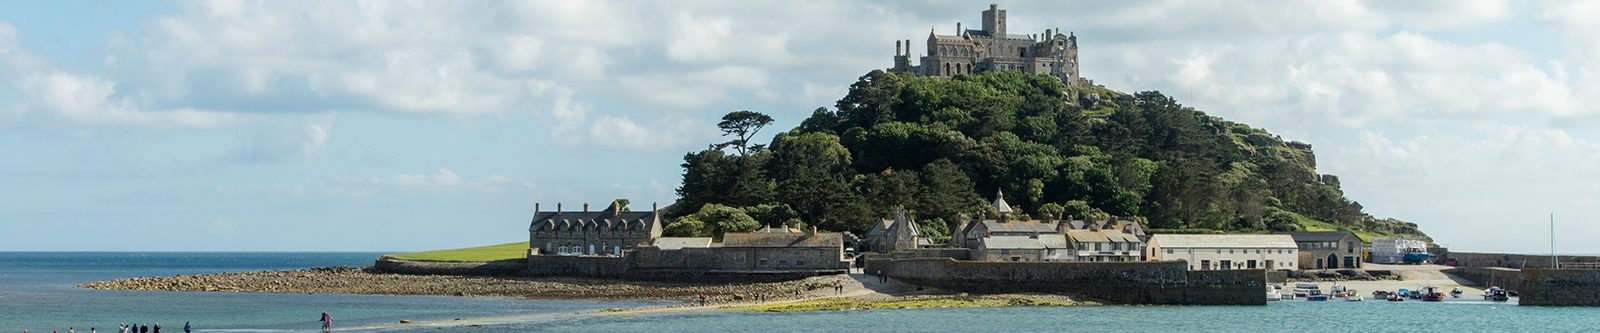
[1456, 293]
[1495, 294]
[1432, 294]
[1304, 289]
[1316, 295]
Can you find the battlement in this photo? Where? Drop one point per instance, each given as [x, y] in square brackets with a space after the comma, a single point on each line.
[993, 49]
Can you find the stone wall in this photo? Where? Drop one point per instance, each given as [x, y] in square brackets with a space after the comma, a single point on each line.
[491, 268]
[1560, 287]
[1485, 277]
[1114, 282]
[1508, 260]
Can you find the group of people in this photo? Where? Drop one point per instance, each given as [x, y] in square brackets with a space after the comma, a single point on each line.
[127, 328]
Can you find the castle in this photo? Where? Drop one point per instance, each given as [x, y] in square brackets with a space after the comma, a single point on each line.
[992, 49]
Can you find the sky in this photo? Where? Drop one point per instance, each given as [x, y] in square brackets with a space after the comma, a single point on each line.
[400, 125]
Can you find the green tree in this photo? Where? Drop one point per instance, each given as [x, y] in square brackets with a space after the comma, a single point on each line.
[743, 125]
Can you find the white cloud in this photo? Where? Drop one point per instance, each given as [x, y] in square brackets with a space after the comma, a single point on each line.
[94, 100]
[1490, 178]
[271, 141]
[623, 133]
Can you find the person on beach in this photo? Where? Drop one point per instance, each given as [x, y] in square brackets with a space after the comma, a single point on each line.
[144, 328]
[702, 299]
[157, 329]
[327, 322]
[186, 327]
[72, 330]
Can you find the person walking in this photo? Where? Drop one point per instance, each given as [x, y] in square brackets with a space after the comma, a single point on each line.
[186, 327]
[144, 328]
[156, 329]
[327, 322]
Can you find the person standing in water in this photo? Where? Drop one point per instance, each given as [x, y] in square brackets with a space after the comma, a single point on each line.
[327, 322]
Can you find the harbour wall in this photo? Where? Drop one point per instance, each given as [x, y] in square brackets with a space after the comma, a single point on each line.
[1168, 282]
[1560, 287]
[1510, 279]
[1510, 260]
[668, 265]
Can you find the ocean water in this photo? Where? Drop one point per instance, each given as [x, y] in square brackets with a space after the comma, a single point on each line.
[36, 292]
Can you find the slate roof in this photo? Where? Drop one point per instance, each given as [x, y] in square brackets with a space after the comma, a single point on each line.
[593, 220]
[752, 239]
[1322, 236]
[677, 243]
[1236, 241]
[1019, 226]
[1055, 241]
[1101, 236]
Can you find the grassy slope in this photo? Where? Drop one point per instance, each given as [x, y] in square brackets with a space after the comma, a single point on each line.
[518, 250]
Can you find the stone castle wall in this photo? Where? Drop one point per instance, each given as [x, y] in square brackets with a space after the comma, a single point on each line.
[1560, 287]
[1113, 282]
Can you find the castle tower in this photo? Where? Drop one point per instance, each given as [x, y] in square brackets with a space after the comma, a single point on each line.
[994, 21]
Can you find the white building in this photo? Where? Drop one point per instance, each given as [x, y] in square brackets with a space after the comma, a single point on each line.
[1390, 251]
[1226, 251]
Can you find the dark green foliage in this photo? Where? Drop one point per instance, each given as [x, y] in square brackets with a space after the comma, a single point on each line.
[712, 221]
[942, 147]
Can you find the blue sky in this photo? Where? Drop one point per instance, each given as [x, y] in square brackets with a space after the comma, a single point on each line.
[336, 125]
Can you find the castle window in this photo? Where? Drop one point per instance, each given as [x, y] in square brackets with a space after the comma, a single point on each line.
[1022, 52]
[947, 69]
[801, 263]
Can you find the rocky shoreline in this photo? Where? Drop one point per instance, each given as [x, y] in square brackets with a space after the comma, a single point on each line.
[351, 280]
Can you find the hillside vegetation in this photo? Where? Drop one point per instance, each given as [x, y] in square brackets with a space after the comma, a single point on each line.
[942, 147]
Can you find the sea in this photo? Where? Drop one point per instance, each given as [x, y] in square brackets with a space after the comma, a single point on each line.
[37, 292]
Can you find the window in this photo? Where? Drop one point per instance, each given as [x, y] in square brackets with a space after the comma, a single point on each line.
[1258, 251]
[1250, 264]
[800, 263]
[762, 263]
[1230, 251]
[1050, 252]
[1005, 252]
[782, 263]
[1169, 251]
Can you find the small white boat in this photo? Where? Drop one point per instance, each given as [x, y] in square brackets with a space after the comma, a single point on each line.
[1353, 298]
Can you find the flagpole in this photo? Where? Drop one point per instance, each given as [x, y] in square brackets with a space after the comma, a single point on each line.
[1555, 262]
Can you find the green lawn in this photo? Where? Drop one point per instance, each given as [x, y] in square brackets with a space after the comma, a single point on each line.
[518, 250]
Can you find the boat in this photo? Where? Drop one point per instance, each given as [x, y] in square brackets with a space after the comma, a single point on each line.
[1495, 294]
[1403, 293]
[1415, 256]
[1316, 296]
[1456, 293]
[1304, 289]
[1353, 298]
[1381, 294]
[1417, 293]
[1432, 294]
[1272, 294]
[1396, 298]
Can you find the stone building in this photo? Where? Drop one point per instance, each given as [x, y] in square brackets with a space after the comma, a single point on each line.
[1105, 245]
[997, 237]
[898, 234]
[1328, 249]
[779, 249]
[992, 48]
[1206, 252]
[1036, 247]
[611, 231]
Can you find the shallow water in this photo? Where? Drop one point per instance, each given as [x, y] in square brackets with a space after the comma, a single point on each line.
[36, 292]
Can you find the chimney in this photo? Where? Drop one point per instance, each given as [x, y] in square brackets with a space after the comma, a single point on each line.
[535, 208]
[653, 206]
[585, 207]
[1047, 34]
[813, 232]
[958, 28]
[897, 48]
[558, 206]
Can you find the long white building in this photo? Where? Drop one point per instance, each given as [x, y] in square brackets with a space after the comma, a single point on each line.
[1226, 251]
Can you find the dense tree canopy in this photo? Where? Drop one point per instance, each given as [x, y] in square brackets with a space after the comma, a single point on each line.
[942, 147]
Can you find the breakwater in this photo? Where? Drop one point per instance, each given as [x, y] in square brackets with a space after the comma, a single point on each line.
[1112, 282]
[349, 280]
[1560, 287]
[1512, 260]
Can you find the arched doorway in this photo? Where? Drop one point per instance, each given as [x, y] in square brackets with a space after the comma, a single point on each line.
[1333, 261]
